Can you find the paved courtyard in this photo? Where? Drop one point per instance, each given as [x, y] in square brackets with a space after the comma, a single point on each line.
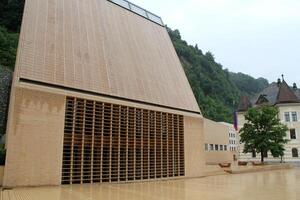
[272, 185]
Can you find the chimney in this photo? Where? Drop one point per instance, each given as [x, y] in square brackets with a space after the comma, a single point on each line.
[278, 82]
[295, 86]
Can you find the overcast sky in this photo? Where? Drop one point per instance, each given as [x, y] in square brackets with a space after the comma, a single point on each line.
[256, 37]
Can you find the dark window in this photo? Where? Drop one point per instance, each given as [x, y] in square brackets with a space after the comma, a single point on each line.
[295, 153]
[293, 134]
[211, 147]
[265, 154]
[253, 154]
[217, 147]
[221, 147]
[225, 147]
[287, 117]
[294, 116]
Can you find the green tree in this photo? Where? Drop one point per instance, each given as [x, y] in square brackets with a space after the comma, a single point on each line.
[263, 132]
[8, 47]
[5, 85]
[11, 12]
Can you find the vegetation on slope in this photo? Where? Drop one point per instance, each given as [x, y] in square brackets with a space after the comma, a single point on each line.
[5, 84]
[216, 89]
[10, 21]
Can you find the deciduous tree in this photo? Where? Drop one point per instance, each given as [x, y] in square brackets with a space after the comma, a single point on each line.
[263, 132]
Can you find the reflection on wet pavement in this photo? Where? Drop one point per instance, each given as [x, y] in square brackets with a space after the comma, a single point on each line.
[273, 185]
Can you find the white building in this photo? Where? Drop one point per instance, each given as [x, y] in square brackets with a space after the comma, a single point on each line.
[233, 143]
[287, 100]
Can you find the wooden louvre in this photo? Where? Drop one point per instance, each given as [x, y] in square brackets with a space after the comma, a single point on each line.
[106, 142]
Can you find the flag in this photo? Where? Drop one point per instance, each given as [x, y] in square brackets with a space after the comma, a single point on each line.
[235, 121]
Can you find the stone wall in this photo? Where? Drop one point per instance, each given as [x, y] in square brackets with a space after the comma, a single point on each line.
[5, 85]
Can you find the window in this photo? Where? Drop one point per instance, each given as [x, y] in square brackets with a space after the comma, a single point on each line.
[221, 147]
[154, 18]
[266, 154]
[225, 147]
[138, 10]
[294, 116]
[217, 147]
[287, 117]
[211, 147]
[253, 154]
[293, 134]
[122, 3]
[206, 147]
[295, 153]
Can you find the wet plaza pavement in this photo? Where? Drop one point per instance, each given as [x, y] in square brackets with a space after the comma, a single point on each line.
[271, 185]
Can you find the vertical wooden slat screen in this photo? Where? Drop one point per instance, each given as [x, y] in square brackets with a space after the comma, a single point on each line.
[106, 142]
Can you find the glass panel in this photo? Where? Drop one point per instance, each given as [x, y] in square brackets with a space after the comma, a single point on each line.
[122, 3]
[287, 116]
[293, 134]
[294, 116]
[138, 10]
[217, 147]
[295, 153]
[155, 18]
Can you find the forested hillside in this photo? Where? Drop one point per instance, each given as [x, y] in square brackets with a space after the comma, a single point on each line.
[216, 89]
[5, 84]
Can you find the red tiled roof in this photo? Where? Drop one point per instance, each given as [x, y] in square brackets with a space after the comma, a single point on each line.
[286, 95]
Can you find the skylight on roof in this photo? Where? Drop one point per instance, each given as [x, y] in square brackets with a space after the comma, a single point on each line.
[138, 10]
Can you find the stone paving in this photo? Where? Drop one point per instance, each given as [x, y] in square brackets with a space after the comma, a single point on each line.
[271, 185]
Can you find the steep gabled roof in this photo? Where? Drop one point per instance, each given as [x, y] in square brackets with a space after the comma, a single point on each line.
[100, 47]
[274, 94]
[270, 93]
[262, 100]
[297, 92]
[244, 104]
[286, 94]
